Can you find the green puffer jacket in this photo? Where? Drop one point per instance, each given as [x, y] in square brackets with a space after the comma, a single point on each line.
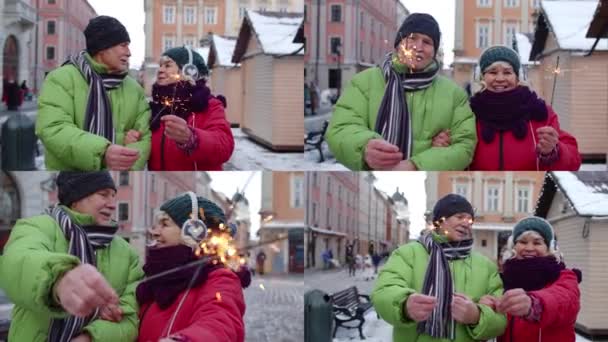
[36, 255]
[441, 106]
[403, 275]
[61, 115]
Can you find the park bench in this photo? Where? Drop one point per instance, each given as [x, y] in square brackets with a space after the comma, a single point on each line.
[316, 139]
[348, 306]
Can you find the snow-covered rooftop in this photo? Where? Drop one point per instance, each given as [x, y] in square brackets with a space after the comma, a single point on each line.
[493, 226]
[224, 48]
[586, 191]
[276, 34]
[204, 52]
[524, 46]
[570, 20]
[281, 224]
[326, 231]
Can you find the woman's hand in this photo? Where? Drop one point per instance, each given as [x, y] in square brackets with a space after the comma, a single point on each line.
[131, 137]
[442, 139]
[515, 302]
[490, 301]
[176, 128]
[547, 139]
[111, 313]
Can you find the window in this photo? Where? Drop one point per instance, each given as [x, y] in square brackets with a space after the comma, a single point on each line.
[189, 15]
[336, 13]
[283, 10]
[305, 13]
[190, 41]
[511, 3]
[166, 190]
[210, 15]
[314, 213]
[523, 200]
[123, 212]
[484, 243]
[51, 2]
[50, 27]
[262, 9]
[484, 3]
[315, 179]
[153, 183]
[123, 179]
[338, 224]
[168, 14]
[462, 190]
[50, 53]
[510, 32]
[339, 192]
[168, 42]
[536, 3]
[327, 218]
[335, 76]
[328, 185]
[492, 196]
[297, 191]
[483, 35]
[334, 45]
[242, 11]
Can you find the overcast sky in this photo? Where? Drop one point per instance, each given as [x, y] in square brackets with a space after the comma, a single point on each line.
[412, 184]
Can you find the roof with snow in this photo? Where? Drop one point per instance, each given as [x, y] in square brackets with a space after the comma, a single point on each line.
[569, 21]
[523, 46]
[587, 192]
[274, 31]
[280, 224]
[204, 52]
[222, 49]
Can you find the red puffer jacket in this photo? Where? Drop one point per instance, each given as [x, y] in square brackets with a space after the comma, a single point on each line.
[520, 155]
[211, 312]
[215, 143]
[561, 303]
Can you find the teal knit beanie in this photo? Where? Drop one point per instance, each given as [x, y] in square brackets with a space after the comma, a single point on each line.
[179, 210]
[537, 224]
[499, 53]
[181, 58]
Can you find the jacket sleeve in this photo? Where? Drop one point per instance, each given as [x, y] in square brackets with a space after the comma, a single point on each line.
[463, 134]
[491, 324]
[219, 313]
[142, 125]
[560, 300]
[56, 127]
[569, 157]
[215, 140]
[393, 288]
[29, 267]
[127, 329]
[348, 131]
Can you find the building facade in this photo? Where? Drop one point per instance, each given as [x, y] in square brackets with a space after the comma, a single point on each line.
[345, 37]
[499, 198]
[483, 23]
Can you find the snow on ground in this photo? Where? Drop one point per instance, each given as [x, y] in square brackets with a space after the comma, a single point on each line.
[594, 167]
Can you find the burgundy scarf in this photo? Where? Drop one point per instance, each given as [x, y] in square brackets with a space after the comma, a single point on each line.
[180, 98]
[533, 274]
[507, 111]
[166, 289]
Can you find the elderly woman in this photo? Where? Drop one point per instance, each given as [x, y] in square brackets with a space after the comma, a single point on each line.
[203, 303]
[541, 298]
[189, 126]
[517, 130]
[387, 116]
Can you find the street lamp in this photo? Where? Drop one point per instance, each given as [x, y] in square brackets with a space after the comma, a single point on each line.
[339, 76]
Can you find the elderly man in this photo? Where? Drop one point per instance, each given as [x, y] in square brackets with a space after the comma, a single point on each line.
[87, 106]
[68, 273]
[429, 289]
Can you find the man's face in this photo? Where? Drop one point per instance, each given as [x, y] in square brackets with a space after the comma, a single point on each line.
[457, 227]
[416, 50]
[101, 205]
[116, 58]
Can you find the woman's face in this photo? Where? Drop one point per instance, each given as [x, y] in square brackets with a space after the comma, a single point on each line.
[416, 51]
[168, 71]
[500, 77]
[530, 245]
[165, 232]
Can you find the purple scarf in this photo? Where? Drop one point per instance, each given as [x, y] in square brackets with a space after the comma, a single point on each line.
[166, 289]
[180, 98]
[533, 274]
[507, 111]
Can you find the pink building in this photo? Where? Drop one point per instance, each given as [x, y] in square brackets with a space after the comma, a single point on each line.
[346, 37]
[60, 34]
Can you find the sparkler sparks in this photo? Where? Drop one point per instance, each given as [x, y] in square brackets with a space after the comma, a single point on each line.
[262, 287]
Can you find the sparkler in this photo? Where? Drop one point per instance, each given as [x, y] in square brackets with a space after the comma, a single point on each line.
[405, 54]
[168, 102]
[555, 73]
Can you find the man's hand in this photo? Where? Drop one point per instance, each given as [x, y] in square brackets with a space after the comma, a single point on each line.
[419, 307]
[83, 289]
[111, 312]
[442, 139]
[515, 302]
[464, 310]
[380, 154]
[131, 137]
[490, 301]
[176, 128]
[120, 158]
[82, 338]
[404, 165]
[547, 139]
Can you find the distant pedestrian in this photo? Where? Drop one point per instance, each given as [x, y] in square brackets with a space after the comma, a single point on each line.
[14, 96]
[350, 258]
[261, 259]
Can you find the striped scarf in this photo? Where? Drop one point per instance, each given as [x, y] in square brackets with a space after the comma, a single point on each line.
[394, 122]
[438, 283]
[98, 118]
[82, 243]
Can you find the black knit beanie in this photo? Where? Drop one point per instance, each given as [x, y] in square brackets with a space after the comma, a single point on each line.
[74, 185]
[181, 58]
[104, 32]
[419, 23]
[180, 208]
[451, 204]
